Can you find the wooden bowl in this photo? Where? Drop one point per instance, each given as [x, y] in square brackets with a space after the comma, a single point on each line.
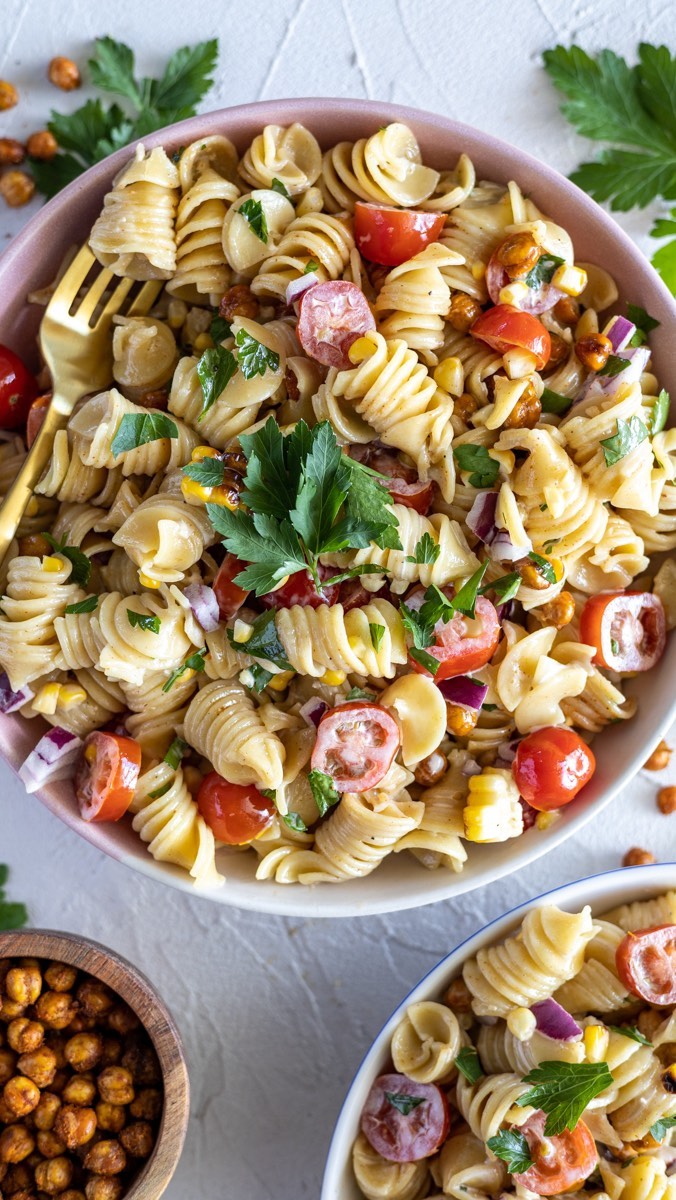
[137, 991]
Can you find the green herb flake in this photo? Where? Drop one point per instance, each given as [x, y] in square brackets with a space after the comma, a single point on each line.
[81, 567]
[141, 621]
[220, 329]
[138, 429]
[543, 271]
[278, 186]
[357, 693]
[194, 662]
[485, 470]
[469, 1064]
[511, 1146]
[563, 1090]
[661, 1127]
[426, 550]
[629, 435]
[254, 357]
[161, 791]
[505, 588]
[260, 677]
[403, 1103]
[323, 790]
[554, 402]
[215, 369]
[264, 641]
[614, 646]
[377, 632]
[643, 321]
[660, 412]
[174, 756]
[254, 214]
[464, 601]
[311, 265]
[629, 1031]
[543, 567]
[83, 606]
[294, 821]
[614, 365]
[210, 472]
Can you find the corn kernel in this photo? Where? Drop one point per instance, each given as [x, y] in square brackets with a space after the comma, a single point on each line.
[450, 376]
[519, 363]
[478, 270]
[333, 678]
[241, 631]
[71, 694]
[177, 311]
[596, 1038]
[360, 349]
[514, 293]
[279, 682]
[47, 698]
[33, 507]
[203, 341]
[192, 490]
[545, 820]
[201, 452]
[569, 279]
[521, 1023]
[146, 581]
[51, 563]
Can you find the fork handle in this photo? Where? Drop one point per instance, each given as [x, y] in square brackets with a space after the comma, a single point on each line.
[16, 500]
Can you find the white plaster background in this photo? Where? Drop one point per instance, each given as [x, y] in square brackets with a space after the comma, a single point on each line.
[276, 1013]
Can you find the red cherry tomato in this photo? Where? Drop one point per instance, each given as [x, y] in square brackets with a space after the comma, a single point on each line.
[106, 776]
[355, 745]
[18, 390]
[391, 235]
[230, 596]
[628, 629]
[459, 645]
[36, 415]
[538, 300]
[401, 481]
[405, 1136]
[505, 327]
[550, 767]
[332, 316]
[561, 1161]
[646, 964]
[235, 814]
[300, 589]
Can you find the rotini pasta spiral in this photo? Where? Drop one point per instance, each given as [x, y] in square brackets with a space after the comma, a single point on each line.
[97, 422]
[385, 168]
[144, 355]
[201, 266]
[67, 477]
[37, 595]
[167, 818]
[317, 640]
[597, 986]
[414, 300]
[313, 238]
[380, 1179]
[464, 1170]
[224, 725]
[427, 1042]
[437, 840]
[134, 235]
[642, 914]
[165, 536]
[500, 1050]
[290, 154]
[490, 1104]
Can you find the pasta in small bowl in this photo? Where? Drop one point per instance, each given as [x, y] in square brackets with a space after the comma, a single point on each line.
[360, 569]
[537, 1059]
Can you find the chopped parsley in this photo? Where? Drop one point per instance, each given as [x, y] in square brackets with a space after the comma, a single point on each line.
[81, 567]
[215, 369]
[476, 459]
[141, 621]
[629, 435]
[138, 429]
[563, 1090]
[254, 213]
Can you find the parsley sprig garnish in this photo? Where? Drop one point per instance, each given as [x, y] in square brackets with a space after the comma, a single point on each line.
[194, 662]
[305, 498]
[563, 1090]
[426, 550]
[629, 435]
[420, 623]
[469, 1064]
[323, 790]
[81, 567]
[138, 429]
[511, 1146]
[403, 1102]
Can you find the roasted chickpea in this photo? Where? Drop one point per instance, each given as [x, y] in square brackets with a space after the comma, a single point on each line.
[458, 996]
[42, 145]
[123, 1020]
[431, 769]
[101, 1187]
[72, 1194]
[567, 311]
[24, 984]
[82, 1024]
[7, 1116]
[460, 720]
[111, 1117]
[659, 759]
[44, 1115]
[238, 301]
[16, 188]
[7, 1065]
[75, 1126]
[465, 406]
[81, 1091]
[21, 1095]
[19, 1178]
[557, 612]
[533, 576]
[39, 1065]
[49, 1144]
[148, 1104]
[11, 152]
[594, 350]
[143, 1064]
[666, 800]
[559, 351]
[463, 312]
[54, 1176]
[637, 857]
[518, 254]
[84, 1050]
[112, 1051]
[56, 1009]
[9, 1009]
[106, 1158]
[157, 399]
[291, 385]
[95, 998]
[138, 1139]
[116, 1085]
[16, 1143]
[8, 95]
[64, 74]
[24, 1035]
[60, 977]
[527, 410]
[57, 1042]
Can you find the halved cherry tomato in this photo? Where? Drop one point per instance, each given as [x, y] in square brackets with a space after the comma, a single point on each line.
[505, 327]
[405, 1136]
[550, 767]
[236, 814]
[646, 964]
[355, 745]
[461, 645]
[391, 235]
[561, 1161]
[300, 589]
[106, 776]
[230, 595]
[402, 481]
[18, 389]
[332, 316]
[628, 629]
[36, 415]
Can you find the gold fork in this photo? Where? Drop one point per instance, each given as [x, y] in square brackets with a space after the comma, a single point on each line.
[76, 347]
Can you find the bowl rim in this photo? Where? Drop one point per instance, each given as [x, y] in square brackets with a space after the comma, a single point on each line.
[651, 879]
[112, 968]
[296, 900]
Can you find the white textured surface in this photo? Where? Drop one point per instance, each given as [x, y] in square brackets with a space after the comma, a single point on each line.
[276, 1013]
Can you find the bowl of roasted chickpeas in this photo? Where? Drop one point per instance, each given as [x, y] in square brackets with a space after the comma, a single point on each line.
[94, 1091]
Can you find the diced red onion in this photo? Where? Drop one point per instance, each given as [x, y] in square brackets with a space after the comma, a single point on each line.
[10, 700]
[313, 710]
[502, 548]
[470, 768]
[605, 386]
[203, 602]
[464, 690]
[481, 516]
[506, 611]
[620, 330]
[554, 1021]
[53, 758]
[296, 288]
[507, 752]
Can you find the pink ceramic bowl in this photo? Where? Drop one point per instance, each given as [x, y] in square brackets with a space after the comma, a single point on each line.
[32, 260]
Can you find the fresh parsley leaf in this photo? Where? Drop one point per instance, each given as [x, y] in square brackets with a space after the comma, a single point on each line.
[642, 320]
[264, 641]
[405, 1104]
[352, 573]
[294, 821]
[260, 677]
[83, 606]
[554, 402]
[311, 265]
[563, 1091]
[270, 547]
[543, 271]
[629, 435]
[489, 707]
[511, 1146]
[505, 587]
[469, 1064]
[630, 1031]
[194, 662]
[664, 259]
[174, 756]
[220, 329]
[82, 131]
[81, 567]
[357, 693]
[549, 546]
[323, 790]
[112, 70]
[253, 357]
[543, 567]
[477, 459]
[660, 412]
[254, 213]
[210, 472]
[4, 874]
[54, 174]
[426, 550]
[141, 621]
[377, 632]
[661, 1127]
[614, 365]
[324, 483]
[137, 429]
[187, 78]
[369, 510]
[215, 369]
[274, 465]
[464, 601]
[278, 186]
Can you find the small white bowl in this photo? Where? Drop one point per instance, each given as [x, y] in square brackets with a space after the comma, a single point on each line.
[602, 892]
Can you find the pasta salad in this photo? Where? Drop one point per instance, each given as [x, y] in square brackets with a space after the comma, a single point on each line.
[548, 1068]
[356, 552]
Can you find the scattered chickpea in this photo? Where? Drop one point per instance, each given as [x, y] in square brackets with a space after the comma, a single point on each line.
[137, 1139]
[7, 1117]
[465, 406]
[16, 1143]
[9, 1009]
[431, 769]
[59, 977]
[458, 996]
[72, 1194]
[116, 1085]
[21, 1095]
[46, 1112]
[75, 1126]
[636, 857]
[567, 311]
[106, 1158]
[110, 1117]
[148, 1104]
[19, 1178]
[64, 73]
[594, 350]
[518, 254]
[558, 353]
[143, 1064]
[9, 96]
[95, 998]
[527, 410]
[16, 188]
[666, 800]
[42, 144]
[84, 1050]
[11, 152]
[112, 1049]
[39, 1065]
[82, 1023]
[49, 1144]
[158, 399]
[238, 301]
[24, 1035]
[7, 1064]
[460, 720]
[24, 984]
[463, 312]
[54, 1176]
[34, 544]
[532, 577]
[56, 1009]
[80, 1091]
[101, 1187]
[557, 612]
[659, 759]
